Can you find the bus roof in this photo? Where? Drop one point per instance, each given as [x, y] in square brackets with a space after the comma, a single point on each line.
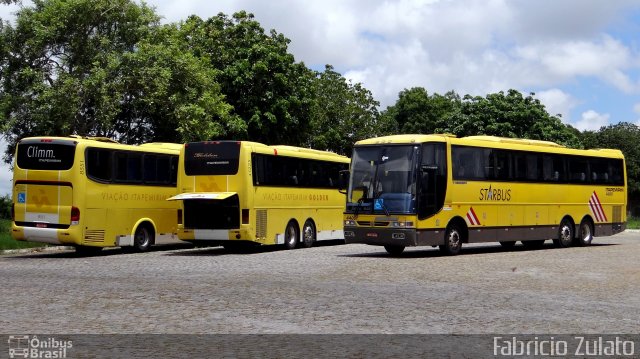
[404, 139]
[107, 142]
[293, 151]
[490, 141]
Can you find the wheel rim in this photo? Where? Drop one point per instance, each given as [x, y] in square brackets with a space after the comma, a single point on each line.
[142, 237]
[585, 232]
[565, 234]
[291, 236]
[308, 234]
[454, 239]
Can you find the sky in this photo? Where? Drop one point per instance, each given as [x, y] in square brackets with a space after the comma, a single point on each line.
[581, 58]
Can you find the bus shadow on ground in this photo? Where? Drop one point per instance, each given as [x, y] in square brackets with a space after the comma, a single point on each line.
[245, 250]
[430, 252]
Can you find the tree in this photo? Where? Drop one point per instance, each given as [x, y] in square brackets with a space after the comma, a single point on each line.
[497, 114]
[342, 113]
[104, 68]
[418, 112]
[5, 206]
[268, 90]
[510, 115]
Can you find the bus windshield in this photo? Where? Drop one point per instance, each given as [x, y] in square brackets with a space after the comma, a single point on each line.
[212, 158]
[383, 179]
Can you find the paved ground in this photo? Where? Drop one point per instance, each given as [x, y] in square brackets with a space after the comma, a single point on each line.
[327, 289]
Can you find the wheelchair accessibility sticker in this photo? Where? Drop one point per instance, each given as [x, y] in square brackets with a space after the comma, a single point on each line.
[22, 197]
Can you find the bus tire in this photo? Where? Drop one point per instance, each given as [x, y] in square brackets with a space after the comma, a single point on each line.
[309, 234]
[143, 238]
[453, 238]
[291, 235]
[394, 250]
[565, 234]
[585, 233]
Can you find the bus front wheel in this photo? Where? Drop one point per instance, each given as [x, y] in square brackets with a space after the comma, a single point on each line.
[143, 238]
[452, 240]
[291, 236]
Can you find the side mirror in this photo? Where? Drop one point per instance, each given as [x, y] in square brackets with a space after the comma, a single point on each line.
[343, 181]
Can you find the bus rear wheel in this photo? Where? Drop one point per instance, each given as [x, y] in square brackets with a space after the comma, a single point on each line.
[291, 236]
[565, 234]
[394, 250]
[308, 234]
[143, 238]
[585, 233]
[452, 240]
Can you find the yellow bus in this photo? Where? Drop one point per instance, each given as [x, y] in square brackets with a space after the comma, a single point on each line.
[93, 192]
[238, 192]
[439, 190]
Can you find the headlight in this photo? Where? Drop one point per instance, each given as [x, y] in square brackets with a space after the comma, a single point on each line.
[402, 224]
[349, 223]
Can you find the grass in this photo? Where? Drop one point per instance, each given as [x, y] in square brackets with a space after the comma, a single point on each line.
[6, 242]
[633, 222]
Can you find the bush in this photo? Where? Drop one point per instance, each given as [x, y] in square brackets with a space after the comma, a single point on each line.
[5, 207]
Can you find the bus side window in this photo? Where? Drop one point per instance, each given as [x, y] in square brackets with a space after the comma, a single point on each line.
[99, 164]
[150, 163]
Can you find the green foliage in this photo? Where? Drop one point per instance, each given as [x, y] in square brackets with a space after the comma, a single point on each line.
[497, 114]
[267, 89]
[342, 113]
[418, 112]
[6, 242]
[5, 207]
[105, 68]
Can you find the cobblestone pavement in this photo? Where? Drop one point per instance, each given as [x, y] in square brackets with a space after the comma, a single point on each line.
[327, 289]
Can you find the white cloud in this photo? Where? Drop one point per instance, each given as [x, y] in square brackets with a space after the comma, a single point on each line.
[469, 46]
[558, 102]
[592, 121]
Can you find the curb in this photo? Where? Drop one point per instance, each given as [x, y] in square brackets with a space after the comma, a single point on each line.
[35, 250]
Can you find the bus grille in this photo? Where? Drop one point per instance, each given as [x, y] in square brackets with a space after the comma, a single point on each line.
[261, 223]
[374, 224]
[94, 235]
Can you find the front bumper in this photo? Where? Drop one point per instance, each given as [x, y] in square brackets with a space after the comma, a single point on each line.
[394, 236]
